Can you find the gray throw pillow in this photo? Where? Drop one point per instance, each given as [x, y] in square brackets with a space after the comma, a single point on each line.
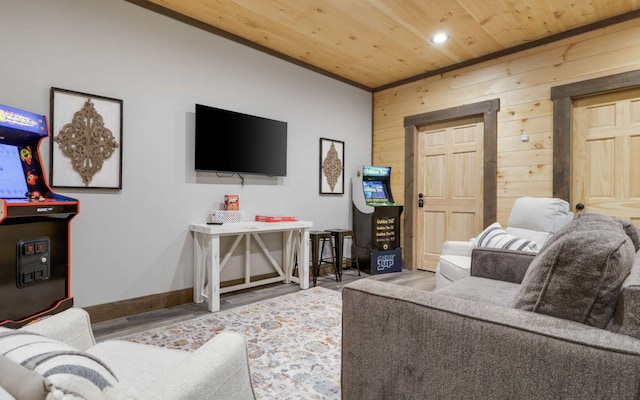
[577, 275]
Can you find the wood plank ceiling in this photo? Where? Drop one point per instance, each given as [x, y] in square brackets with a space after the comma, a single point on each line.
[379, 43]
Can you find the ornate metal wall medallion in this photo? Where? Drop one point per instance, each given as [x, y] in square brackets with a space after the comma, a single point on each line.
[331, 166]
[86, 145]
[87, 142]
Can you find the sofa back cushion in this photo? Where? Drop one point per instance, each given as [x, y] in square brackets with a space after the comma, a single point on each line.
[578, 274]
[540, 214]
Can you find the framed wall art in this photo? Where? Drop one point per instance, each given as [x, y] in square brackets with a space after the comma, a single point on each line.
[86, 140]
[331, 166]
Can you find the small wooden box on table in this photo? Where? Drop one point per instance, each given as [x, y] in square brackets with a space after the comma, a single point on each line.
[207, 264]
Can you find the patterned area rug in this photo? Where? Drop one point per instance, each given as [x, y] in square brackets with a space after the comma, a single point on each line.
[294, 342]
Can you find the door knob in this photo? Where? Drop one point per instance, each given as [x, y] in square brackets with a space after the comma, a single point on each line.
[579, 206]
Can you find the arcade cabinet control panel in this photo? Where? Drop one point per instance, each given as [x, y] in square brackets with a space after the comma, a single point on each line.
[33, 261]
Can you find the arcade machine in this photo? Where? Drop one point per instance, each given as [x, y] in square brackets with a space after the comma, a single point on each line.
[34, 225]
[376, 221]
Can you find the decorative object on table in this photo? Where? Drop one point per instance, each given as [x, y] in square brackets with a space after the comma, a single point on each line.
[227, 216]
[231, 202]
[331, 166]
[285, 364]
[86, 145]
[276, 218]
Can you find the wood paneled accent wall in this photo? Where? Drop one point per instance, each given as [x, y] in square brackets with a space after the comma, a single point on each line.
[522, 82]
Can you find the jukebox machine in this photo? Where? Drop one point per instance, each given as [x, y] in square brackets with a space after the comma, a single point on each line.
[376, 221]
[34, 225]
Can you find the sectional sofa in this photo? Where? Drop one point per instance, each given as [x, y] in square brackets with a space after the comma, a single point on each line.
[560, 324]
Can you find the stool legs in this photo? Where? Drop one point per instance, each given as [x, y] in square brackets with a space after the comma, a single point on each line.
[317, 251]
[333, 257]
[315, 264]
[338, 237]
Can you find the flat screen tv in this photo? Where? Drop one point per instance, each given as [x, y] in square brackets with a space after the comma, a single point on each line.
[228, 141]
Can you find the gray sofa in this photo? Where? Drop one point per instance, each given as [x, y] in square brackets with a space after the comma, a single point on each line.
[473, 339]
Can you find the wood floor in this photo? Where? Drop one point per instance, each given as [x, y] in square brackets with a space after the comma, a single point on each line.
[140, 322]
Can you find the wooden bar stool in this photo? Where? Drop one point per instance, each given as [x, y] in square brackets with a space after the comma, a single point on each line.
[338, 238]
[316, 253]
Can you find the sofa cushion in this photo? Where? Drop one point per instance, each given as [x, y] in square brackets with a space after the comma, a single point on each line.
[578, 274]
[483, 290]
[540, 214]
[454, 267]
[72, 372]
[496, 237]
[498, 264]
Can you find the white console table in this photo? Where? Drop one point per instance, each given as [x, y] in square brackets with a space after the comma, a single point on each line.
[207, 264]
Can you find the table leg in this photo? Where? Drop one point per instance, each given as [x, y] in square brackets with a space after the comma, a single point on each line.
[288, 258]
[213, 273]
[199, 266]
[303, 259]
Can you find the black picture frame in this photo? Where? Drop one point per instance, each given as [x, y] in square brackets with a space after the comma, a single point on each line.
[331, 166]
[74, 164]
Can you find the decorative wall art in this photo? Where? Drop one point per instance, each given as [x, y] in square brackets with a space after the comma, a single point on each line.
[86, 140]
[331, 166]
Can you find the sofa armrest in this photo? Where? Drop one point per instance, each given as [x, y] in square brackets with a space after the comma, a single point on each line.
[219, 369]
[458, 248]
[71, 326]
[401, 342]
[499, 264]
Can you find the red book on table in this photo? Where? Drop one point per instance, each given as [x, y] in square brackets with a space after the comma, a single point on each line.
[274, 218]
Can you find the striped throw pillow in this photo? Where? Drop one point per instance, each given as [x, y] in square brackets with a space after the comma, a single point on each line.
[496, 237]
[74, 373]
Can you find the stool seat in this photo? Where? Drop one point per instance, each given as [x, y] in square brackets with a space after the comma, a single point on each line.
[338, 237]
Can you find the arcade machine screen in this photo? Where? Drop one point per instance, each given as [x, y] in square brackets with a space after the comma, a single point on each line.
[374, 190]
[13, 184]
[376, 184]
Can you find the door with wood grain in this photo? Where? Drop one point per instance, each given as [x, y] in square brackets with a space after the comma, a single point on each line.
[450, 181]
[606, 154]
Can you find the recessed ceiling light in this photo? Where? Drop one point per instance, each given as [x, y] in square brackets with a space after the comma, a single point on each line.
[440, 38]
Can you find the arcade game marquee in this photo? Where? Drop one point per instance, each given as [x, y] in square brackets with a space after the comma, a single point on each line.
[34, 225]
[376, 221]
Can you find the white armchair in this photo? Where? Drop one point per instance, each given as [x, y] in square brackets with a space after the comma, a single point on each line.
[217, 370]
[531, 218]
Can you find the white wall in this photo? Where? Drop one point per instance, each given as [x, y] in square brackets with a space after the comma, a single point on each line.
[136, 242]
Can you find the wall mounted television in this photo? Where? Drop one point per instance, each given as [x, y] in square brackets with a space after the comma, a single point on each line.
[228, 141]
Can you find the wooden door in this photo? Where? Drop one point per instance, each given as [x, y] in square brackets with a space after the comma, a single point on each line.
[606, 154]
[449, 176]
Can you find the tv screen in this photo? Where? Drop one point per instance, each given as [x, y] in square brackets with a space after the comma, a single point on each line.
[228, 141]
